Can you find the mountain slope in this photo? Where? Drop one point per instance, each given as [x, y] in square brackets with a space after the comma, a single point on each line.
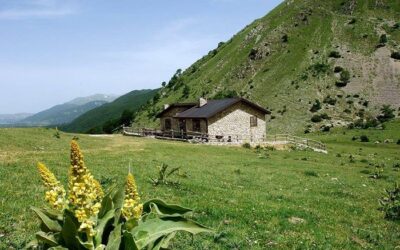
[337, 52]
[60, 114]
[12, 118]
[66, 112]
[93, 120]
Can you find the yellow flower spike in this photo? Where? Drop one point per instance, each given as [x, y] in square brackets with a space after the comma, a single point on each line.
[85, 193]
[55, 195]
[132, 207]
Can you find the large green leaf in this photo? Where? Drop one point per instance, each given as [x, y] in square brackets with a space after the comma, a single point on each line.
[128, 241]
[34, 244]
[162, 208]
[69, 231]
[47, 238]
[51, 225]
[58, 248]
[115, 239]
[153, 229]
[53, 214]
[102, 223]
[106, 205]
[118, 197]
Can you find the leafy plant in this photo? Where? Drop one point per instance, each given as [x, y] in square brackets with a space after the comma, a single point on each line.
[246, 145]
[364, 138]
[378, 173]
[57, 134]
[387, 113]
[390, 203]
[334, 54]
[90, 219]
[163, 175]
[316, 118]
[316, 106]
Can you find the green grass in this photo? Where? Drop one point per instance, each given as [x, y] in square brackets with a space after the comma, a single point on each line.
[247, 199]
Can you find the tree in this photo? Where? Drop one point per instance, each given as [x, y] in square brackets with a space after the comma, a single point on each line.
[387, 113]
[185, 91]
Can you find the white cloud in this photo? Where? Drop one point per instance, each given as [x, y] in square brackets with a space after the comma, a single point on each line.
[27, 9]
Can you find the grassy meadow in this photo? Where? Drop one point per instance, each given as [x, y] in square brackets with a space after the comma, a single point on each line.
[253, 199]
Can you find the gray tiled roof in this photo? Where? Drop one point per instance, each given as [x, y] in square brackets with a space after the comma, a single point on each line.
[215, 106]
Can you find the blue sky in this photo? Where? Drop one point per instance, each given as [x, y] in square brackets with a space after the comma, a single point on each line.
[55, 50]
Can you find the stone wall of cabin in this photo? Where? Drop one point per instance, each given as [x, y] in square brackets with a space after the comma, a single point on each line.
[169, 114]
[235, 122]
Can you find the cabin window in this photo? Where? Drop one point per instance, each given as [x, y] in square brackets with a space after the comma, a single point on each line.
[167, 124]
[196, 125]
[253, 121]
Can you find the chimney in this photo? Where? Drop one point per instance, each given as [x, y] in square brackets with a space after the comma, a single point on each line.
[166, 106]
[202, 102]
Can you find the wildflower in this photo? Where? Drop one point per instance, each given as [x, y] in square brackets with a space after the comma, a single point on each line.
[132, 207]
[55, 195]
[85, 193]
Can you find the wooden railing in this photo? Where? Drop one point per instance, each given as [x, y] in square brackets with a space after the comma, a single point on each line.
[226, 138]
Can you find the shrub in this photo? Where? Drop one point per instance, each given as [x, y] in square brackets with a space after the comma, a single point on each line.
[387, 113]
[338, 69]
[316, 106]
[163, 175]
[383, 39]
[316, 118]
[395, 55]
[246, 145]
[310, 173]
[364, 138]
[57, 134]
[341, 84]
[398, 142]
[330, 100]
[334, 54]
[285, 38]
[345, 76]
[325, 116]
[319, 69]
[91, 219]
[390, 203]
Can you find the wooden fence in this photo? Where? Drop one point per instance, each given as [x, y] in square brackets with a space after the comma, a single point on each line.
[226, 138]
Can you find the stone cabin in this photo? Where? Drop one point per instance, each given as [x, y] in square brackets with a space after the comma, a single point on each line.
[224, 120]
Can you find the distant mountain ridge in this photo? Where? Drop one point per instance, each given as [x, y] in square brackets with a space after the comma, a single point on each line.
[94, 120]
[66, 112]
[6, 119]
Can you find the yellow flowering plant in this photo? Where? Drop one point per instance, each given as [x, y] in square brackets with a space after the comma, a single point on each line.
[88, 218]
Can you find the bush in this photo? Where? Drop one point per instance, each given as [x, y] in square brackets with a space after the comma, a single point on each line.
[398, 142]
[341, 84]
[334, 54]
[338, 69]
[395, 55]
[330, 100]
[387, 113]
[390, 204]
[246, 145]
[345, 76]
[89, 218]
[319, 69]
[316, 118]
[310, 173]
[383, 39]
[316, 106]
[285, 38]
[325, 116]
[226, 94]
[364, 138]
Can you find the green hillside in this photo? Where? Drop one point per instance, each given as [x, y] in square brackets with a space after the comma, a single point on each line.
[93, 120]
[340, 52]
[66, 112]
[60, 114]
